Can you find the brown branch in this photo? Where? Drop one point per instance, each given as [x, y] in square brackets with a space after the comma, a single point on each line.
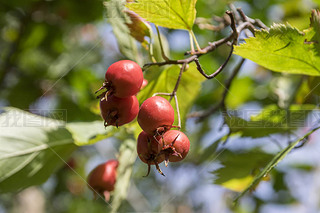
[237, 17]
[217, 71]
[256, 22]
[203, 114]
[173, 94]
[212, 46]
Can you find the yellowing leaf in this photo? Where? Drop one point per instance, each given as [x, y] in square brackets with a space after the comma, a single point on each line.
[167, 13]
[238, 185]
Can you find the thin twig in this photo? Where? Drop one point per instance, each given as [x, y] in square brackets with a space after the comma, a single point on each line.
[178, 111]
[203, 114]
[217, 71]
[173, 94]
[238, 22]
[256, 22]
[211, 47]
[183, 67]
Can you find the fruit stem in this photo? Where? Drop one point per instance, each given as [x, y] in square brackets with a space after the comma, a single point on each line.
[196, 42]
[161, 47]
[162, 93]
[174, 94]
[191, 43]
[178, 111]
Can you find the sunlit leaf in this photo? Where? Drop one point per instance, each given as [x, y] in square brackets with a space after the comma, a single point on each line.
[282, 49]
[167, 13]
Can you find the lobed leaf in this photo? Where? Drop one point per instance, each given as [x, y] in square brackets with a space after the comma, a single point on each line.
[167, 13]
[282, 49]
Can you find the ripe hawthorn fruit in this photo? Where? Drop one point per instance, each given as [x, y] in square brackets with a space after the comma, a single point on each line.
[102, 178]
[176, 146]
[148, 149]
[156, 115]
[118, 111]
[122, 79]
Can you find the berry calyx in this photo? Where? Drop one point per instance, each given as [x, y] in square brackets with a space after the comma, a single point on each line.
[148, 149]
[156, 115]
[176, 146]
[122, 79]
[102, 178]
[118, 111]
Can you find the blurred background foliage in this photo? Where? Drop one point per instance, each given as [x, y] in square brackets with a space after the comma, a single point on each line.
[53, 56]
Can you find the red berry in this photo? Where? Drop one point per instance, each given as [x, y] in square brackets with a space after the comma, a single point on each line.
[156, 115]
[103, 177]
[124, 78]
[148, 149]
[176, 145]
[118, 111]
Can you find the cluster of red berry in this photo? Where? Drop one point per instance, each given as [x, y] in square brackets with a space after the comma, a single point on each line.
[119, 105]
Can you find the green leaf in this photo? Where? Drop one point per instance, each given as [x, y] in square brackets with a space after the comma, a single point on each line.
[118, 20]
[240, 92]
[127, 157]
[270, 120]
[167, 13]
[86, 133]
[165, 81]
[274, 162]
[239, 168]
[31, 148]
[282, 49]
